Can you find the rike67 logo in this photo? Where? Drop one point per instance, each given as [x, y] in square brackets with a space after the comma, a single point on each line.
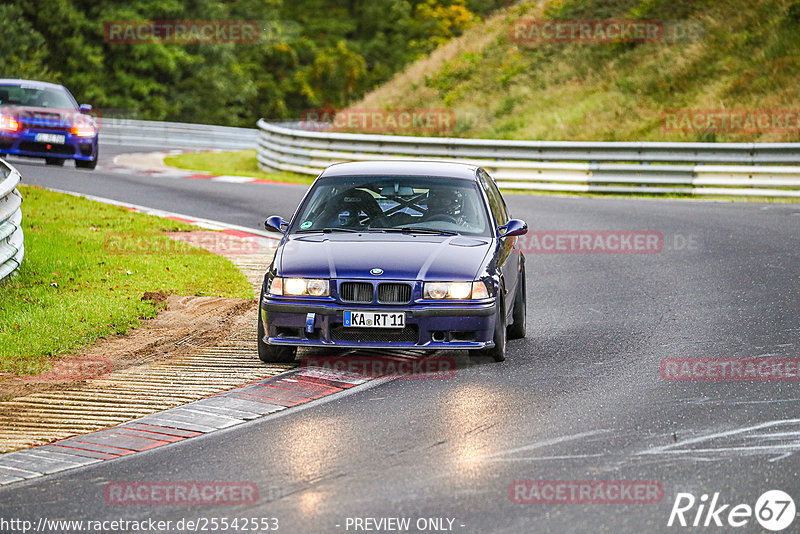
[774, 510]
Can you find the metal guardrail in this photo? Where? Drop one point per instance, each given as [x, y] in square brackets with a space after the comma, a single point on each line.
[12, 247]
[751, 169]
[134, 132]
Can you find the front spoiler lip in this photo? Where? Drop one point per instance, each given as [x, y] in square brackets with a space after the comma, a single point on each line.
[481, 309]
[297, 342]
[29, 135]
[28, 154]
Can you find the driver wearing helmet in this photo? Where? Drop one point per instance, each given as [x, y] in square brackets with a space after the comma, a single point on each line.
[444, 205]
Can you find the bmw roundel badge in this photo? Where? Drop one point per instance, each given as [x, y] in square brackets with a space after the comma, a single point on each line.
[376, 271]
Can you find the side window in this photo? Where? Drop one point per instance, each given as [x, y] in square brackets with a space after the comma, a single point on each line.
[506, 213]
[495, 200]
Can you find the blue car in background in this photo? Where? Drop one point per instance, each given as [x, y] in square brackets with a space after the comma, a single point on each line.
[43, 120]
[395, 255]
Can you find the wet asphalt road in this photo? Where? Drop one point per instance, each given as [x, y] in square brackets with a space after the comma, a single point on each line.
[581, 398]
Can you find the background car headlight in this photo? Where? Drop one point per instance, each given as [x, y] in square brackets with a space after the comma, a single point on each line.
[300, 287]
[455, 290]
[83, 129]
[8, 124]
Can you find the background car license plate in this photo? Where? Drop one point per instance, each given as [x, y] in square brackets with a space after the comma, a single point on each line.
[51, 138]
[374, 319]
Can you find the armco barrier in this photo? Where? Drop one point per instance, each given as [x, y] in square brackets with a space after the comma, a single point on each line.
[12, 248]
[133, 132]
[750, 169]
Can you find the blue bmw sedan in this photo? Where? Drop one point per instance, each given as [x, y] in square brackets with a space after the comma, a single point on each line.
[392, 255]
[43, 120]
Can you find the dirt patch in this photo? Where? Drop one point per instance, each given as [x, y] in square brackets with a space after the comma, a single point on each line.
[186, 324]
[158, 297]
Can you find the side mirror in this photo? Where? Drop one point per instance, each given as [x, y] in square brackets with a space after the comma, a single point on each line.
[276, 224]
[86, 108]
[513, 227]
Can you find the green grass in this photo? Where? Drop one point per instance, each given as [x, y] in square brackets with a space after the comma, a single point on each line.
[74, 287]
[238, 163]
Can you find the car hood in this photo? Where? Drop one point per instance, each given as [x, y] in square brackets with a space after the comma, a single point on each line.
[402, 257]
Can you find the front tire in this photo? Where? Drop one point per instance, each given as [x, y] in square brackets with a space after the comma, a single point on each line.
[90, 164]
[498, 352]
[273, 353]
[519, 315]
[83, 164]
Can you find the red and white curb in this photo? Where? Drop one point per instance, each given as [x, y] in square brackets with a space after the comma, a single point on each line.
[208, 224]
[172, 172]
[257, 400]
[223, 410]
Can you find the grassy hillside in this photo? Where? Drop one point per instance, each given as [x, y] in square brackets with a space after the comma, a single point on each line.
[746, 56]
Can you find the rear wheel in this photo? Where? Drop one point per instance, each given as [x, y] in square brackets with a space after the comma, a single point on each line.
[498, 352]
[517, 330]
[58, 162]
[273, 353]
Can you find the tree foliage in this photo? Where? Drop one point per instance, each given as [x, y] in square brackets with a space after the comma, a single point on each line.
[310, 53]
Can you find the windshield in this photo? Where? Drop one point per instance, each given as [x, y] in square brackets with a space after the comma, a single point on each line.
[21, 95]
[394, 203]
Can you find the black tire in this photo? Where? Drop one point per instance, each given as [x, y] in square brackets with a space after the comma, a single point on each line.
[498, 352]
[58, 162]
[83, 164]
[273, 353]
[519, 315]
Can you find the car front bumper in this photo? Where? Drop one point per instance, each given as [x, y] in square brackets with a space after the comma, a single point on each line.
[25, 144]
[428, 326]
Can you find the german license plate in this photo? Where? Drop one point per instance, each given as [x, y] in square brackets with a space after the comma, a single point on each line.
[374, 319]
[51, 138]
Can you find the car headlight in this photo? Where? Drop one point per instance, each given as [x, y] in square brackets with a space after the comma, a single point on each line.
[83, 129]
[8, 124]
[300, 287]
[455, 290]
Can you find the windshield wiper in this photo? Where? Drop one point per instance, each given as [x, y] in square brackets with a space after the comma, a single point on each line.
[330, 230]
[415, 230]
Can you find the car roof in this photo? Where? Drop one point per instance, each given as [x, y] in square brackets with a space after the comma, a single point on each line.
[31, 83]
[402, 168]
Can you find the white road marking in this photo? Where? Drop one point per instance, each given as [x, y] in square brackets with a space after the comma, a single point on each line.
[538, 445]
[683, 446]
[234, 179]
[538, 458]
